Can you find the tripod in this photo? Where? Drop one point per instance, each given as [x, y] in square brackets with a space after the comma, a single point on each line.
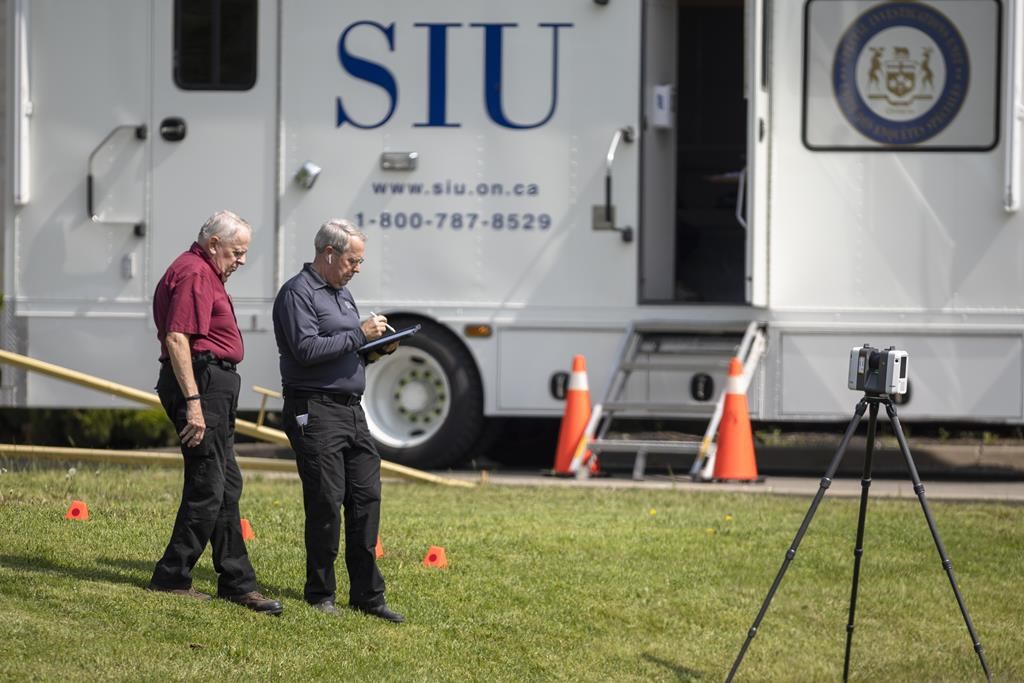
[873, 400]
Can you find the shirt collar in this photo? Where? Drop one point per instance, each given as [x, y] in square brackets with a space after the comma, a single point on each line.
[199, 251]
[316, 281]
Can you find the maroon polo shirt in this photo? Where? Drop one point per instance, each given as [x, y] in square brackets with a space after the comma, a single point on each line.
[190, 298]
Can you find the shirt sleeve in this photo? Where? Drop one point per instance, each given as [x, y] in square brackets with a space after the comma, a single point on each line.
[191, 306]
[298, 324]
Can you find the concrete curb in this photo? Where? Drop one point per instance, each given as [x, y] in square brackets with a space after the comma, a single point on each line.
[806, 487]
[935, 459]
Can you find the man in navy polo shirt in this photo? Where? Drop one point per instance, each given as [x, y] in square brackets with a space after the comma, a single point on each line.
[200, 345]
[318, 332]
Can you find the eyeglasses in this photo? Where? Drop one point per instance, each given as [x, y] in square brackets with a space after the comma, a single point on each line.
[352, 261]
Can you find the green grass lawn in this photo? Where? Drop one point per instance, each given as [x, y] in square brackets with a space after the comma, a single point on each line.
[542, 584]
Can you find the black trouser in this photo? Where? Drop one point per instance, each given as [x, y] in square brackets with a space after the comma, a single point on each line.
[339, 466]
[208, 512]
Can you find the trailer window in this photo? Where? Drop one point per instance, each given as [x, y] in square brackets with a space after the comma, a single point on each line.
[215, 44]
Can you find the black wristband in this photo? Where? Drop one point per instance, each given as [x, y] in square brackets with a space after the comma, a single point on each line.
[193, 397]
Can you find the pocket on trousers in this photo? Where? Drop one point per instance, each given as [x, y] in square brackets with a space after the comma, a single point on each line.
[304, 424]
[214, 412]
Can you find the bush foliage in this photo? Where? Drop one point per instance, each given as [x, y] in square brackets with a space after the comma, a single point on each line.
[95, 428]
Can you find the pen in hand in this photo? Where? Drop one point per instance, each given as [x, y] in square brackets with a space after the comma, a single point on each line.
[385, 324]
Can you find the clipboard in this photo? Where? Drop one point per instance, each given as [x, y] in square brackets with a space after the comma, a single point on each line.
[387, 339]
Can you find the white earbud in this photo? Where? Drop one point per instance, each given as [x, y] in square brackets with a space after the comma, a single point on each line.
[330, 259]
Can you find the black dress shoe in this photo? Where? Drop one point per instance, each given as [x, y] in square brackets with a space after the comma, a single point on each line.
[189, 592]
[380, 611]
[255, 601]
[326, 606]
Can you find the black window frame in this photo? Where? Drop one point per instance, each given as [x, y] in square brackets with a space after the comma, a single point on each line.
[217, 57]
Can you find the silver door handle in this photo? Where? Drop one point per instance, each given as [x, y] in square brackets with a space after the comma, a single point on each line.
[141, 133]
[604, 217]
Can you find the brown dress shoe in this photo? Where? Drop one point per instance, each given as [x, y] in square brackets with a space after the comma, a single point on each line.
[255, 601]
[189, 592]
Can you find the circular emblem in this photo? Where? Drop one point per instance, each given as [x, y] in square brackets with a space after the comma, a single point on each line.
[900, 73]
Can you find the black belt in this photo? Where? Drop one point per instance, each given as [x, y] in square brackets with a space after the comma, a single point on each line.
[343, 399]
[207, 358]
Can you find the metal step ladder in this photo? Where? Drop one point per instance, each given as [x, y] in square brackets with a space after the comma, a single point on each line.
[663, 371]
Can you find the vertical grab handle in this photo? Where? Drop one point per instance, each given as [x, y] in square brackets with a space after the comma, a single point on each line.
[608, 196]
[141, 133]
[604, 216]
[741, 199]
[88, 197]
[1014, 110]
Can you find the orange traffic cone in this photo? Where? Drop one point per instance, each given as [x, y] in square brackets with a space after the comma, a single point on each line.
[378, 552]
[435, 557]
[574, 420]
[247, 533]
[734, 460]
[78, 510]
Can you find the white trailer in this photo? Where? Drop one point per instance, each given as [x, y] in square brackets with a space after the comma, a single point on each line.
[534, 178]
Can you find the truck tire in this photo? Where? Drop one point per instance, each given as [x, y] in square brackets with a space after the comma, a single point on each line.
[424, 402]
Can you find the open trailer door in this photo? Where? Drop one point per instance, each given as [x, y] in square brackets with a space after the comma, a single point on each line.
[755, 187]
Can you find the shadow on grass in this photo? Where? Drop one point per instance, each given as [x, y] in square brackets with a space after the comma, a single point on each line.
[201, 574]
[681, 672]
[127, 572]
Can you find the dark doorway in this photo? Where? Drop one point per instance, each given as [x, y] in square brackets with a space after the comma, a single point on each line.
[711, 153]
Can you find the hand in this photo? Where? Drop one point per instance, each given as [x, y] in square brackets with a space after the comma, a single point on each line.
[374, 327]
[195, 425]
[380, 352]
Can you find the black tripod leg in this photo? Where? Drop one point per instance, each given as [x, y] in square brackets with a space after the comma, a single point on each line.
[826, 481]
[946, 563]
[858, 551]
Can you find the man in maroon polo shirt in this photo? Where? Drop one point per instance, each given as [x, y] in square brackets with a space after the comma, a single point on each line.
[200, 345]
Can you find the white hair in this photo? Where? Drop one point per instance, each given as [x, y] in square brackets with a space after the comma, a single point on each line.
[223, 224]
[336, 233]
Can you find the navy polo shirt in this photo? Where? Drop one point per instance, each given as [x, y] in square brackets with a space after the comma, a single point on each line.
[318, 334]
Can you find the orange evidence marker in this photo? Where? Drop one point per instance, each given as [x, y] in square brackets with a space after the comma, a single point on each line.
[435, 557]
[78, 510]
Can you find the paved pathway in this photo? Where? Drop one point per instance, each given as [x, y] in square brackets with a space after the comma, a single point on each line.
[890, 481]
[944, 489]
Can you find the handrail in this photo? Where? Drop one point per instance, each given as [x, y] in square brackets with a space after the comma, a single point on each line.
[597, 410]
[241, 426]
[609, 160]
[625, 134]
[141, 133]
[265, 393]
[741, 199]
[1015, 109]
[22, 114]
[750, 351]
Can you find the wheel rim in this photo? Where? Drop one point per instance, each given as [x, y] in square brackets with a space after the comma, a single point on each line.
[408, 398]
